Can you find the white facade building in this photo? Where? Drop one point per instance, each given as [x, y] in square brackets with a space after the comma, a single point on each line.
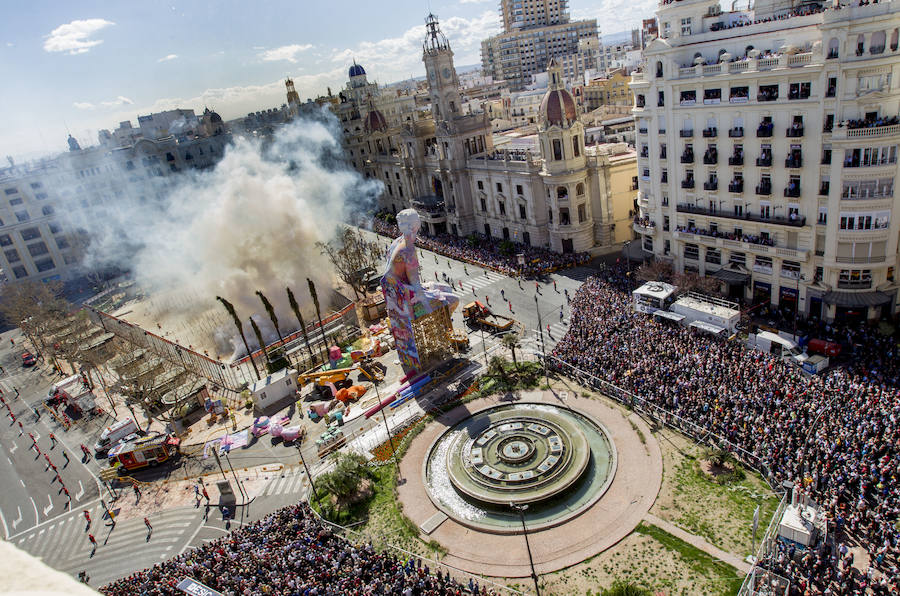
[767, 143]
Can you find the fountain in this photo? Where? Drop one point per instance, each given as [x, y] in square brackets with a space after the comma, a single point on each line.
[557, 461]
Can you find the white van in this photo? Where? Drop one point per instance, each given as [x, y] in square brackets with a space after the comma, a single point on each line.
[784, 348]
[113, 434]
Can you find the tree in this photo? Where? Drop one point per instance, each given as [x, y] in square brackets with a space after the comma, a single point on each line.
[655, 271]
[240, 327]
[621, 588]
[344, 481]
[497, 369]
[269, 309]
[296, 308]
[510, 341]
[262, 343]
[34, 307]
[315, 299]
[353, 257]
[691, 282]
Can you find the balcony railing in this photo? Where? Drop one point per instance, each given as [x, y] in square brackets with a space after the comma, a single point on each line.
[764, 162]
[860, 260]
[793, 162]
[710, 158]
[736, 186]
[736, 132]
[842, 132]
[796, 222]
[664, 178]
[689, 183]
[764, 189]
[662, 154]
[711, 132]
[645, 153]
[792, 192]
[687, 158]
[686, 134]
[863, 284]
[794, 132]
[824, 189]
[764, 131]
[711, 185]
[736, 160]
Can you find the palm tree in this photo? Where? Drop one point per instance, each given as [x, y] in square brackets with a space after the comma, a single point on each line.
[237, 323]
[497, 369]
[262, 343]
[296, 308]
[510, 341]
[621, 588]
[269, 309]
[315, 298]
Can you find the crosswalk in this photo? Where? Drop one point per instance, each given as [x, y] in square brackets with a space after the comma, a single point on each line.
[477, 282]
[64, 543]
[532, 340]
[292, 482]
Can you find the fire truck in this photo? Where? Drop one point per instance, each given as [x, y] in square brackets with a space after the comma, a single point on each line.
[143, 452]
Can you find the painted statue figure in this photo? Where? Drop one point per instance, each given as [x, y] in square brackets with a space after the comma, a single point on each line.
[406, 297]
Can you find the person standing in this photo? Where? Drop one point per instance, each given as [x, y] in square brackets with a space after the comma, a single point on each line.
[147, 523]
[87, 517]
[93, 540]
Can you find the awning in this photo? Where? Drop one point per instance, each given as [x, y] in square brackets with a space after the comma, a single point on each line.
[730, 276]
[672, 316]
[708, 327]
[856, 299]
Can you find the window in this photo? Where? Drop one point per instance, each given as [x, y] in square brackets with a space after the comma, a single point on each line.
[15, 201]
[5, 240]
[12, 255]
[767, 93]
[44, 265]
[579, 189]
[738, 258]
[688, 98]
[35, 185]
[575, 147]
[686, 26]
[22, 216]
[11, 191]
[557, 150]
[54, 228]
[582, 213]
[483, 205]
[480, 185]
[502, 207]
[62, 243]
[20, 272]
[799, 91]
[564, 216]
[763, 264]
[30, 234]
[499, 187]
[37, 249]
[518, 189]
[832, 87]
[833, 47]
[522, 212]
[739, 95]
[692, 252]
[712, 96]
[562, 192]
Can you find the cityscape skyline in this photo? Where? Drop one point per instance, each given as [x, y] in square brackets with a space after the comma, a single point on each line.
[87, 67]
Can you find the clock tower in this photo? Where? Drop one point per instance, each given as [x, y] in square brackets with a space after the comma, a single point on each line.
[443, 84]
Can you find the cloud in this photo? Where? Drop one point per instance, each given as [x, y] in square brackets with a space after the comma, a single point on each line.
[167, 58]
[288, 53]
[74, 37]
[114, 103]
[398, 57]
[10, 44]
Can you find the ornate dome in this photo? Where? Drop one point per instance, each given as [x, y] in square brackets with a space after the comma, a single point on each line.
[375, 121]
[356, 70]
[558, 107]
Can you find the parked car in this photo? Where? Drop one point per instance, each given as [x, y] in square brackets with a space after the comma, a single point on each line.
[28, 359]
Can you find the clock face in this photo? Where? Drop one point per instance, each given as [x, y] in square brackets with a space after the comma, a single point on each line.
[446, 73]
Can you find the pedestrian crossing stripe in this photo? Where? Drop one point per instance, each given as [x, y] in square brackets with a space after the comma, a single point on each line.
[287, 484]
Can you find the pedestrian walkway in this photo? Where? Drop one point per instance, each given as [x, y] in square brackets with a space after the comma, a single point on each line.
[64, 544]
[477, 281]
[289, 482]
[713, 551]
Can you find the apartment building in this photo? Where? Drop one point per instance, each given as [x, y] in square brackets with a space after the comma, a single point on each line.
[767, 143]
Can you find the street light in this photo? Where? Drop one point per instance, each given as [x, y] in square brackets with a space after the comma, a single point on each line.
[520, 508]
[541, 331]
[800, 277]
[312, 485]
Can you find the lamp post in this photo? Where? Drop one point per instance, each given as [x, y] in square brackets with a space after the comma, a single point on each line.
[312, 485]
[800, 277]
[388, 431]
[537, 307]
[520, 508]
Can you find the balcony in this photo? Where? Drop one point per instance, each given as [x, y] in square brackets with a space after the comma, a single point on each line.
[793, 162]
[862, 284]
[709, 133]
[794, 132]
[645, 152]
[644, 226]
[662, 154]
[736, 132]
[764, 162]
[686, 134]
[711, 158]
[736, 160]
[711, 185]
[860, 260]
[867, 132]
[687, 157]
[765, 130]
[736, 186]
[664, 178]
[689, 183]
[824, 189]
[795, 222]
[764, 189]
[642, 131]
[792, 192]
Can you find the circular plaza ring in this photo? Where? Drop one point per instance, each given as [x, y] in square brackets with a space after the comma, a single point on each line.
[556, 460]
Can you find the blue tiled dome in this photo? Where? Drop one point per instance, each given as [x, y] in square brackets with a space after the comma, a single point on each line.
[357, 70]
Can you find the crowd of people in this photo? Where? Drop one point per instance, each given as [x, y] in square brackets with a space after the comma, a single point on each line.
[872, 122]
[481, 250]
[837, 436]
[291, 552]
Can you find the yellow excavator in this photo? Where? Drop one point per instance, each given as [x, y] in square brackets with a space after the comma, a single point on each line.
[339, 378]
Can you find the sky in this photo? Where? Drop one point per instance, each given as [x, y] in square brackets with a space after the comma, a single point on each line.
[77, 67]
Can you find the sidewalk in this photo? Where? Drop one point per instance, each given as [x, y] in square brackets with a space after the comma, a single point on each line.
[742, 566]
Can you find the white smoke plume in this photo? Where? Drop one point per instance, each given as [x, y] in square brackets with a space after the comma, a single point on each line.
[250, 223]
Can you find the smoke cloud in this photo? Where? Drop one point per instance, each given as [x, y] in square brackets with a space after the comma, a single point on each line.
[248, 224]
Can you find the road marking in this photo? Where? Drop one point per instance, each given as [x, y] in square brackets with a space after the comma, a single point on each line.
[49, 507]
[36, 518]
[13, 448]
[5, 528]
[18, 520]
[22, 482]
[80, 492]
[9, 460]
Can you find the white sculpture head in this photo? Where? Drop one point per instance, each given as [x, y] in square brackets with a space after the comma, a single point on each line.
[408, 222]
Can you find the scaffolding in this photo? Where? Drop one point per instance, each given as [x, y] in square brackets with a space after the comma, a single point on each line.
[431, 333]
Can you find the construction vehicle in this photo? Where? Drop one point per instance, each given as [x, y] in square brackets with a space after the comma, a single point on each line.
[459, 339]
[143, 452]
[477, 314]
[339, 378]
